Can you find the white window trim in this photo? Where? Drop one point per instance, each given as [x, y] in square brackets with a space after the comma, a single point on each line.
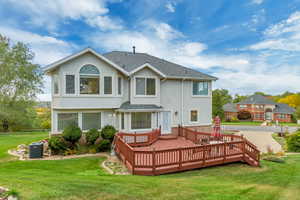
[139, 130]
[190, 116]
[112, 85]
[58, 84]
[93, 111]
[208, 87]
[78, 79]
[65, 85]
[79, 118]
[146, 77]
[122, 86]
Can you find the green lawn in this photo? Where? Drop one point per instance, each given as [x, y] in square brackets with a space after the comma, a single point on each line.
[249, 123]
[83, 179]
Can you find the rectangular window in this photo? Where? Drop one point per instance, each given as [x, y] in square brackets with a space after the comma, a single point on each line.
[194, 115]
[141, 120]
[122, 121]
[145, 86]
[55, 84]
[119, 86]
[89, 84]
[107, 85]
[66, 119]
[243, 106]
[200, 88]
[70, 84]
[91, 120]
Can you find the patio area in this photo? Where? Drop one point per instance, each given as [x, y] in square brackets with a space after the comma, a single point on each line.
[149, 154]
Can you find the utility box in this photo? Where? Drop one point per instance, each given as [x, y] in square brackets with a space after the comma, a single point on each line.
[36, 150]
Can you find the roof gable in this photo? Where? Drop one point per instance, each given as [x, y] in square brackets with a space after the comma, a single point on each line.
[147, 65]
[58, 63]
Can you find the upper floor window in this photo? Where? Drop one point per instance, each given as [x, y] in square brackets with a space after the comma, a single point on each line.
[70, 84]
[89, 79]
[200, 88]
[119, 86]
[145, 86]
[55, 84]
[107, 85]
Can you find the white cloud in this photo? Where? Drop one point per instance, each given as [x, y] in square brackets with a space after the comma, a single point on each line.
[284, 35]
[50, 13]
[47, 49]
[170, 7]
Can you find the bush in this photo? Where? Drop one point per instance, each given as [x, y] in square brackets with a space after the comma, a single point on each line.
[72, 134]
[293, 142]
[108, 133]
[234, 119]
[104, 145]
[46, 124]
[57, 144]
[92, 135]
[274, 159]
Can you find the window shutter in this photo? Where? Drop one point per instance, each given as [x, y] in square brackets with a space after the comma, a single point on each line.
[107, 85]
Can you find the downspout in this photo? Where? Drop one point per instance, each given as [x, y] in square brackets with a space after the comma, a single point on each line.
[181, 116]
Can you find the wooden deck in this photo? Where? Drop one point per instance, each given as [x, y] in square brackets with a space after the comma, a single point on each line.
[146, 154]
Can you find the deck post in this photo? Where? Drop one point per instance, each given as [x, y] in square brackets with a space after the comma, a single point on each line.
[133, 161]
[180, 158]
[153, 161]
[134, 138]
[224, 153]
[244, 146]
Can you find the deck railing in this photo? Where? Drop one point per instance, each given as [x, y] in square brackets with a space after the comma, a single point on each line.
[154, 162]
[140, 139]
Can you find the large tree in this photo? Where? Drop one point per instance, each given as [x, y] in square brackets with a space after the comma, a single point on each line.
[20, 81]
[220, 97]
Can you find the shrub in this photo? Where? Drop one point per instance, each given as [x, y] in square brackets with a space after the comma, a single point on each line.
[274, 159]
[234, 119]
[104, 145]
[92, 135]
[57, 144]
[46, 124]
[293, 142]
[72, 134]
[108, 132]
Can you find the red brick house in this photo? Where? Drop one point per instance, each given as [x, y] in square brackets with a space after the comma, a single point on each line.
[259, 108]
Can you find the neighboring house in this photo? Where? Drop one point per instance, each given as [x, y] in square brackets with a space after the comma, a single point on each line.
[261, 108]
[134, 92]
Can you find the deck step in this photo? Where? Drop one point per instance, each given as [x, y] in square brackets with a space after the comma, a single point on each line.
[168, 137]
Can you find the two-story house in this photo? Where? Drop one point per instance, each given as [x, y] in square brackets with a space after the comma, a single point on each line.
[134, 92]
[260, 108]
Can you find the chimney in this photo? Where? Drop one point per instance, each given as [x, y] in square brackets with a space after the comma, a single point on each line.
[133, 48]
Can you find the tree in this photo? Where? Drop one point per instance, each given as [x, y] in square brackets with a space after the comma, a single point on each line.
[261, 93]
[297, 113]
[220, 97]
[292, 100]
[20, 81]
[238, 98]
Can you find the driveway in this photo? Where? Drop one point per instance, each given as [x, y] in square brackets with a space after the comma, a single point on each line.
[263, 140]
[258, 128]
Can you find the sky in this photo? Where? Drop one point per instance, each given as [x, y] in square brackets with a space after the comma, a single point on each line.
[250, 45]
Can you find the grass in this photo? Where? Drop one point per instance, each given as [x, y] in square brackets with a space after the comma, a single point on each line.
[83, 179]
[250, 123]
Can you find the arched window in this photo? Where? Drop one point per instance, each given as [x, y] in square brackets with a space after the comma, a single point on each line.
[89, 80]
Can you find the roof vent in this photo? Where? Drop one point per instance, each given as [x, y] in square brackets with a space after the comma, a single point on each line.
[133, 49]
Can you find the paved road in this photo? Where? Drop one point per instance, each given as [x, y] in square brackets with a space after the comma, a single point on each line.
[257, 128]
[263, 140]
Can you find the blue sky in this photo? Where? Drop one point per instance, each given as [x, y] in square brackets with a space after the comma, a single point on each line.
[250, 45]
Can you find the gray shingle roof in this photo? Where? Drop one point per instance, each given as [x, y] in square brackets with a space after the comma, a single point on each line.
[130, 61]
[284, 109]
[257, 99]
[230, 107]
[128, 106]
